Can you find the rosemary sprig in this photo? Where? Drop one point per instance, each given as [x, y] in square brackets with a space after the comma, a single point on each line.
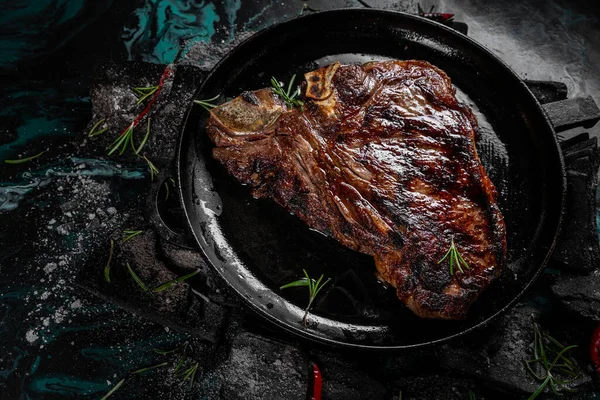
[472, 395]
[114, 389]
[207, 103]
[314, 287]
[136, 278]
[170, 283]
[130, 234]
[126, 138]
[179, 363]
[24, 160]
[454, 259]
[145, 92]
[172, 181]
[153, 170]
[139, 371]
[558, 373]
[165, 352]
[144, 140]
[190, 374]
[287, 95]
[107, 266]
[122, 141]
[94, 132]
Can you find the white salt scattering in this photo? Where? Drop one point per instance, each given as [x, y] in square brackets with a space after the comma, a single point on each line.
[52, 221]
[31, 336]
[76, 304]
[50, 267]
[45, 295]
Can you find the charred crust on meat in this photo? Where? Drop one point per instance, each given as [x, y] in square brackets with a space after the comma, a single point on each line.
[250, 98]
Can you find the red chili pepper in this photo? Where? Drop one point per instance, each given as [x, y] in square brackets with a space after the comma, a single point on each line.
[317, 383]
[595, 348]
[167, 73]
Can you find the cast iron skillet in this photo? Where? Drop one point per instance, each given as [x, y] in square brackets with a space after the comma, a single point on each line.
[257, 247]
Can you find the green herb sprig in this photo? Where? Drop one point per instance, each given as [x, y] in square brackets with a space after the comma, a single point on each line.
[288, 96]
[169, 284]
[114, 389]
[136, 278]
[94, 132]
[207, 104]
[314, 287]
[549, 358]
[454, 259]
[153, 170]
[126, 138]
[110, 256]
[130, 234]
[24, 160]
[168, 182]
[145, 92]
[139, 371]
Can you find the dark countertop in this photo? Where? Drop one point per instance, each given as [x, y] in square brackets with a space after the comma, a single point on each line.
[60, 340]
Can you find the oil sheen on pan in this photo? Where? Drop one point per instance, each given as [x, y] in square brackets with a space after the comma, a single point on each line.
[382, 158]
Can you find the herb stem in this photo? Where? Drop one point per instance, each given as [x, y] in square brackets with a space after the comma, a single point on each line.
[93, 131]
[136, 278]
[24, 160]
[139, 371]
[113, 390]
[107, 266]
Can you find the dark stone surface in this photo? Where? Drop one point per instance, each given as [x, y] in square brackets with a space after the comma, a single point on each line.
[499, 359]
[569, 113]
[580, 294]
[345, 378]
[547, 91]
[436, 387]
[578, 248]
[262, 368]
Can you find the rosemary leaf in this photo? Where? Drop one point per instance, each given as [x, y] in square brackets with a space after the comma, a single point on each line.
[170, 283]
[139, 148]
[179, 364]
[94, 132]
[107, 266]
[113, 390]
[130, 234]
[207, 103]
[136, 278]
[298, 283]
[153, 170]
[165, 352]
[23, 160]
[139, 371]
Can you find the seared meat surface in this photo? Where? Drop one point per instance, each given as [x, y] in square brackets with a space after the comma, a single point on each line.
[382, 157]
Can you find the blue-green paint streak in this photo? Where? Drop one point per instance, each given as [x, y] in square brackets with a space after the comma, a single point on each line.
[232, 7]
[163, 25]
[35, 365]
[6, 373]
[66, 385]
[12, 193]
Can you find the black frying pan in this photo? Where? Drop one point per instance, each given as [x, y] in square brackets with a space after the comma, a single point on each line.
[256, 246]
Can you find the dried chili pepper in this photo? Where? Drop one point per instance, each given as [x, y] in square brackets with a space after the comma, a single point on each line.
[438, 17]
[317, 383]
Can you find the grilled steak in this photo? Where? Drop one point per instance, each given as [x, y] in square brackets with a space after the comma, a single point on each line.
[382, 157]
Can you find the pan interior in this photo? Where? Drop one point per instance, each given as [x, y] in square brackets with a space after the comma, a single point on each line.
[257, 246]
